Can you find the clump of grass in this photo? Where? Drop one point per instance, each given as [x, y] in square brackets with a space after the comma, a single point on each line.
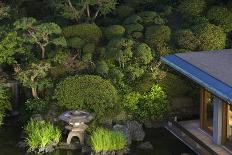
[106, 140]
[41, 134]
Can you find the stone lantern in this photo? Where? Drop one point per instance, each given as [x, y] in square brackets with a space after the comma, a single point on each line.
[76, 124]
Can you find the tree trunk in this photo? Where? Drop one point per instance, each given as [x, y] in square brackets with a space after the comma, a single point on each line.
[43, 52]
[34, 93]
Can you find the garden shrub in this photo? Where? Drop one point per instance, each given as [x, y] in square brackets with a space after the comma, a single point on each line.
[134, 72]
[145, 83]
[75, 42]
[89, 48]
[143, 54]
[134, 19]
[174, 85]
[114, 31]
[151, 18]
[211, 37]
[152, 105]
[106, 140]
[157, 36]
[221, 16]
[40, 134]
[102, 68]
[1, 118]
[90, 93]
[191, 7]
[186, 39]
[123, 11]
[134, 28]
[87, 32]
[137, 35]
[37, 105]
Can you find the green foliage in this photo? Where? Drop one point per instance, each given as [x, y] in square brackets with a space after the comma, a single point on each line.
[102, 68]
[106, 140]
[186, 39]
[143, 54]
[120, 50]
[190, 8]
[114, 31]
[36, 105]
[211, 37]
[131, 28]
[157, 37]
[4, 102]
[4, 11]
[151, 18]
[34, 76]
[10, 46]
[90, 93]
[41, 34]
[221, 16]
[76, 42]
[88, 32]
[88, 51]
[134, 19]
[40, 134]
[76, 10]
[123, 11]
[174, 86]
[134, 72]
[152, 105]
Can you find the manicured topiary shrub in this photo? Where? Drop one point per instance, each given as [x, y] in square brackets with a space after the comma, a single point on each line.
[123, 11]
[90, 93]
[134, 28]
[75, 42]
[103, 140]
[186, 39]
[134, 19]
[114, 31]
[157, 36]
[102, 68]
[41, 134]
[151, 17]
[38, 106]
[211, 37]
[191, 7]
[143, 54]
[87, 32]
[221, 16]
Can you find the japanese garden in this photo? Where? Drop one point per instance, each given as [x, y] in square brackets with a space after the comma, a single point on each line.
[94, 77]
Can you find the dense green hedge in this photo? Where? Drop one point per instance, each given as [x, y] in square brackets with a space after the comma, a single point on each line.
[114, 31]
[192, 7]
[90, 93]
[87, 32]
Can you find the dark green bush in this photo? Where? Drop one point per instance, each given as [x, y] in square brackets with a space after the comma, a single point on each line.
[221, 16]
[191, 7]
[174, 86]
[186, 39]
[87, 32]
[157, 36]
[134, 19]
[151, 18]
[76, 42]
[102, 68]
[134, 72]
[123, 11]
[89, 93]
[37, 105]
[134, 28]
[4, 102]
[89, 48]
[137, 35]
[211, 37]
[143, 54]
[114, 31]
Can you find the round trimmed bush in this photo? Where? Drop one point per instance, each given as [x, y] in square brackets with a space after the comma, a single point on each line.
[114, 31]
[143, 54]
[186, 39]
[191, 7]
[211, 37]
[75, 42]
[157, 35]
[134, 28]
[134, 19]
[151, 17]
[102, 68]
[87, 32]
[89, 93]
